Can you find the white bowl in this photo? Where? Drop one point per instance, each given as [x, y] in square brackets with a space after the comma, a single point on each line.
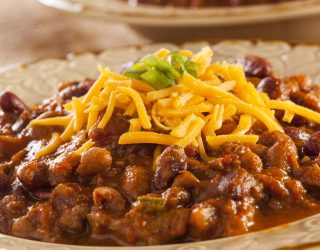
[148, 15]
[36, 81]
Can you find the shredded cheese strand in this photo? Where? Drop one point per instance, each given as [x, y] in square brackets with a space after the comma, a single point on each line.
[171, 112]
[97, 86]
[244, 125]
[142, 112]
[78, 108]
[108, 113]
[194, 130]
[203, 154]
[159, 94]
[288, 116]
[68, 132]
[147, 137]
[255, 111]
[135, 125]
[53, 121]
[156, 120]
[296, 109]
[84, 147]
[182, 129]
[52, 146]
[215, 141]
[215, 120]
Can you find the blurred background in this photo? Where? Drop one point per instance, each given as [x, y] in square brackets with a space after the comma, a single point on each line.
[31, 31]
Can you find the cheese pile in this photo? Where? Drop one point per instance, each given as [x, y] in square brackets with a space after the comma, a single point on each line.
[187, 113]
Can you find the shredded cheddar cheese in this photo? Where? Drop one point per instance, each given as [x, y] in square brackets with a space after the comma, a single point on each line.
[244, 125]
[135, 125]
[54, 121]
[84, 147]
[147, 137]
[50, 147]
[189, 111]
[288, 116]
[215, 141]
[193, 131]
[141, 109]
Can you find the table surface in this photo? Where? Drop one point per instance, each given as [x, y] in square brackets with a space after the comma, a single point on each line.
[30, 31]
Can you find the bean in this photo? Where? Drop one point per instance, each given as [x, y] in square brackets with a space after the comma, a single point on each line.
[271, 86]
[312, 147]
[176, 197]
[93, 161]
[255, 66]
[136, 181]
[10, 103]
[33, 175]
[170, 163]
[109, 198]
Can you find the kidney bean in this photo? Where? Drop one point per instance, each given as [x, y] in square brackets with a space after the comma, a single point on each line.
[176, 197]
[41, 195]
[312, 147]
[271, 86]
[255, 66]
[10, 103]
[69, 90]
[170, 163]
[109, 198]
[136, 181]
[186, 179]
[33, 175]
[299, 136]
[93, 161]
[282, 152]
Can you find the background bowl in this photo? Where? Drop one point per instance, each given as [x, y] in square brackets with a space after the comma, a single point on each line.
[294, 20]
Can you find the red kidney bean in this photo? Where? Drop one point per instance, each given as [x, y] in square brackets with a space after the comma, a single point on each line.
[255, 66]
[136, 181]
[93, 161]
[312, 147]
[10, 103]
[109, 198]
[170, 163]
[297, 134]
[271, 86]
[33, 175]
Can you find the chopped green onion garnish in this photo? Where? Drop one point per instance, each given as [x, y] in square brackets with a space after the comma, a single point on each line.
[157, 79]
[162, 72]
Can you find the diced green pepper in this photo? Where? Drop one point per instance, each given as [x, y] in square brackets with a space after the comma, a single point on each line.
[150, 204]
